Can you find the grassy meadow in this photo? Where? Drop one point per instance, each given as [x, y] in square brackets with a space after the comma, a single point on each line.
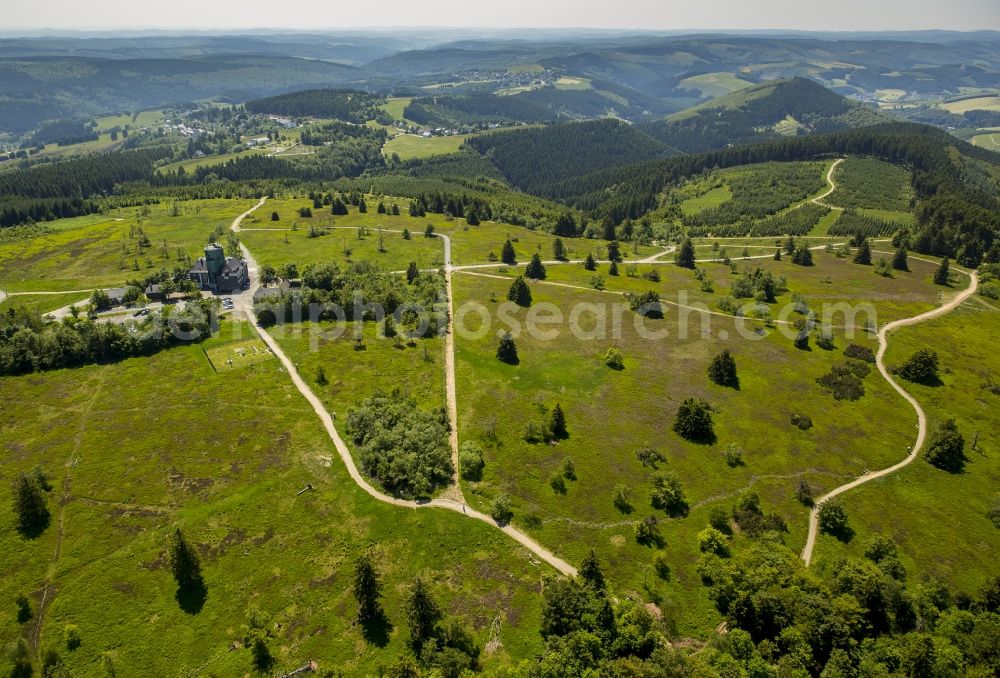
[612, 414]
[940, 519]
[103, 249]
[223, 456]
[409, 146]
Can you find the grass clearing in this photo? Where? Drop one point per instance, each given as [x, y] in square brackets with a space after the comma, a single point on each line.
[715, 84]
[408, 146]
[191, 164]
[571, 83]
[43, 303]
[708, 200]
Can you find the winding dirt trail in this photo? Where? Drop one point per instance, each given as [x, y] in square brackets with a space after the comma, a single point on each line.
[883, 336]
[452, 500]
[833, 186]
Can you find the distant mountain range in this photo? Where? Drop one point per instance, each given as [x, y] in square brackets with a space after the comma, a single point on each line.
[635, 76]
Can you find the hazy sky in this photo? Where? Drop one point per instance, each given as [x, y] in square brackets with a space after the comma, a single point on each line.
[641, 14]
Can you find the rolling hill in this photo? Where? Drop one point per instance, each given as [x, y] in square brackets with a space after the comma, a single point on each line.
[530, 159]
[770, 111]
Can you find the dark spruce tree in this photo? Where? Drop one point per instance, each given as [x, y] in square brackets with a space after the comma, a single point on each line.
[722, 370]
[260, 655]
[422, 613]
[507, 254]
[557, 424]
[803, 256]
[864, 254]
[184, 563]
[591, 573]
[790, 245]
[535, 269]
[519, 292]
[472, 218]
[29, 506]
[590, 263]
[367, 589]
[685, 255]
[614, 252]
[412, 272]
[558, 250]
[899, 261]
[777, 254]
[565, 226]
[613, 269]
[942, 276]
[507, 350]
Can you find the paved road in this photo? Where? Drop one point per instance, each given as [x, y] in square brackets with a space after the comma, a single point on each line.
[883, 336]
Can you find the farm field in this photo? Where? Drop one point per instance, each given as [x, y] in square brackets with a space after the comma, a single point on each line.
[953, 540]
[395, 107]
[409, 146]
[272, 558]
[715, 84]
[989, 140]
[102, 250]
[983, 103]
[102, 144]
[567, 82]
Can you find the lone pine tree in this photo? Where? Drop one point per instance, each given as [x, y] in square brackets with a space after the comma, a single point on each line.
[685, 255]
[507, 350]
[535, 269]
[367, 589]
[507, 254]
[519, 292]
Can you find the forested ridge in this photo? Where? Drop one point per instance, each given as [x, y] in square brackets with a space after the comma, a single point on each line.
[752, 113]
[954, 218]
[69, 189]
[533, 158]
[457, 110]
[341, 104]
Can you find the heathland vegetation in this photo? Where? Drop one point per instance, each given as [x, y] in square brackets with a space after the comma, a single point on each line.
[647, 352]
